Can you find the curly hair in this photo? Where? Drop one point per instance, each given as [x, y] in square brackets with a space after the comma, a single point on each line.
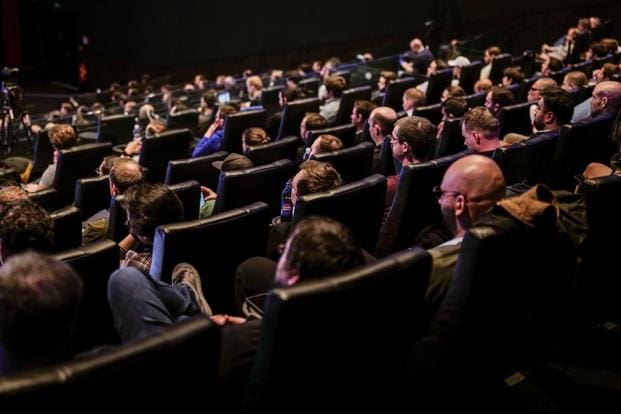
[25, 225]
[317, 177]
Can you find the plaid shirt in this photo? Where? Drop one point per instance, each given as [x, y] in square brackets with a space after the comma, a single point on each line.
[141, 261]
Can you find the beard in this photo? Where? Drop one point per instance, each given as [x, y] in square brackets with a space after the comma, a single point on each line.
[448, 215]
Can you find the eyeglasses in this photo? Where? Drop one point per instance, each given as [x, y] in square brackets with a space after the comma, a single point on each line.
[394, 139]
[438, 192]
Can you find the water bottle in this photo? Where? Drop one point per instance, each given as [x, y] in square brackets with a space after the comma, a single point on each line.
[137, 129]
[286, 207]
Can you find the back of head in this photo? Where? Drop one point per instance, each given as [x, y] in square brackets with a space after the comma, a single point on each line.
[336, 85]
[612, 91]
[455, 107]
[124, 173]
[62, 136]
[479, 180]
[575, 79]
[418, 133]
[255, 136]
[559, 102]
[415, 95]
[482, 120]
[151, 205]
[320, 247]
[11, 193]
[314, 121]
[385, 117]
[364, 108]
[39, 299]
[25, 225]
[317, 177]
[327, 143]
[502, 96]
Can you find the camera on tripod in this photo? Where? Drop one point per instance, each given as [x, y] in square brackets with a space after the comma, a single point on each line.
[11, 92]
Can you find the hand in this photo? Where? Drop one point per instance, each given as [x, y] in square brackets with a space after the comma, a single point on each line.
[32, 187]
[214, 127]
[133, 147]
[222, 320]
[408, 66]
[208, 193]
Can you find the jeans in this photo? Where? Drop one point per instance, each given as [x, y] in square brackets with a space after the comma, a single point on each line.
[142, 306]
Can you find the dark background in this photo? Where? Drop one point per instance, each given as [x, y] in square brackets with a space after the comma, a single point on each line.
[184, 37]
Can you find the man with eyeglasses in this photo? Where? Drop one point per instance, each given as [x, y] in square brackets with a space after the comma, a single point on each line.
[534, 93]
[470, 188]
[411, 141]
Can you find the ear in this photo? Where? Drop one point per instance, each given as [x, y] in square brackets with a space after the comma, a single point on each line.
[477, 138]
[460, 205]
[604, 100]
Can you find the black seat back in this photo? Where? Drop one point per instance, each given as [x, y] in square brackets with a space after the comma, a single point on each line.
[75, 163]
[470, 74]
[393, 97]
[344, 204]
[292, 115]
[450, 140]
[353, 163]
[499, 64]
[310, 86]
[515, 118]
[157, 150]
[524, 300]
[263, 183]
[285, 148]
[476, 99]
[269, 99]
[130, 373]
[67, 228]
[92, 195]
[432, 112]
[527, 162]
[365, 367]
[94, 263]
[199, 168]
[185, 119]
[116, 129]
[215, 246]
[43, 153]
[348, 97]
[346, 133]
[578, 145]
[437, 83]
[598, 279]
[189, 192]
[117, 227]
[414, 206]
[236, 124]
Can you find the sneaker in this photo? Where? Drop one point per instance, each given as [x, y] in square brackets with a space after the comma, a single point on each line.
[186, 273]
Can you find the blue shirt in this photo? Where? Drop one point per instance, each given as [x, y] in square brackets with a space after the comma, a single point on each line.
[209, 145]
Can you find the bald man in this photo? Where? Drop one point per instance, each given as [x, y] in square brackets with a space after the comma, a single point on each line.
[603, 103]
[417, 58]
[470, 188]
[381, 122]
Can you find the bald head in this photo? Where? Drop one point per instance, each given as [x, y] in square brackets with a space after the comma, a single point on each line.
[474, 183]
[125, 173]
[606, 97]
[381, 123]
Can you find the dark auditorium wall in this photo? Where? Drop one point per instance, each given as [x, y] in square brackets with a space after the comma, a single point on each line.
[182, 37]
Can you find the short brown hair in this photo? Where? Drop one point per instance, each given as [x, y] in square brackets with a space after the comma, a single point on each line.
[336, 84]
[62, 136]
[418, 133]
[314, 121]
[318, 177]
[329, 143]
[255, 136]
[482, 120]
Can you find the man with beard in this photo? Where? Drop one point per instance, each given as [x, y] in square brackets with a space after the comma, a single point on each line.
[470, 188]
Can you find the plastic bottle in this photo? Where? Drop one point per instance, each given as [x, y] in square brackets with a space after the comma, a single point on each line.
[286, 207]
[137, 129]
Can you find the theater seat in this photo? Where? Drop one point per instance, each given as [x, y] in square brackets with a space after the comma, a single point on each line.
[159, 149]
[450, 140]
[67, 228]
[94, 263]
[348, 98]
[359, 205]
[263, 183]
[394, 92]
[92, 195]
[236, 124]
[528, 161]
[516, 119]
[130, 373]
[346, 133]
[199, 168]
[215, 246]
[353, 163]
[292, 115]
[332, 337]
[285, 148]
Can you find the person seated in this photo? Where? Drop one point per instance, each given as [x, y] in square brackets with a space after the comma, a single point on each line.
[512, 76]
[212, 140]
[360, 114]
[39, 302]
[417, 58]
[335, 85]
[432, 69]
[62, 136]
[488, 57]
[452, 92]
[497, 98]
[412, 99]
[324, 143]
[479, 128]
[252, 137]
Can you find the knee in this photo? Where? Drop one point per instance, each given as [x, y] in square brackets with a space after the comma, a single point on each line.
[125, 280]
